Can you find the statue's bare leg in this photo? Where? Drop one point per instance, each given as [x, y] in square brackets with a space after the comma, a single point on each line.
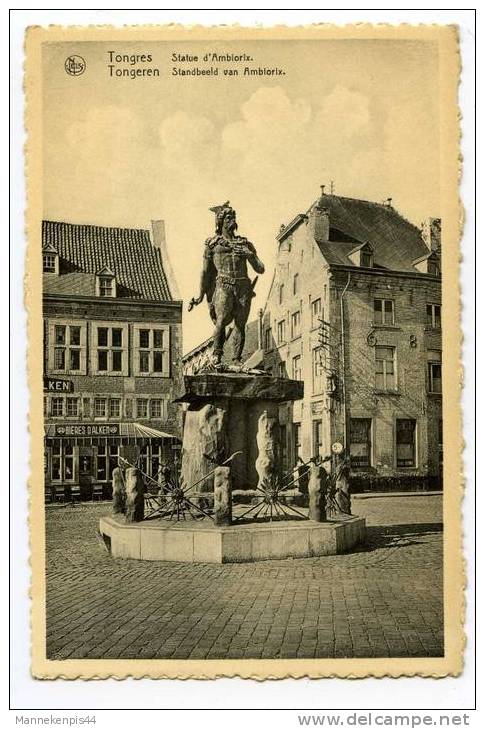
[223, 307]
[240, 319]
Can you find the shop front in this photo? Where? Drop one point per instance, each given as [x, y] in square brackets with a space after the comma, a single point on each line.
[80, 457]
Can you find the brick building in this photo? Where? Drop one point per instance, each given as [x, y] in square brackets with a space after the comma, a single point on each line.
[354, 310]
[112, 354]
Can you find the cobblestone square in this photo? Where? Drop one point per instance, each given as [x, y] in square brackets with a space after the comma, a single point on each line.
[383, 600]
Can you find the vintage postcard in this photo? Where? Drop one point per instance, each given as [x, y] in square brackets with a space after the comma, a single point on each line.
[244, 351]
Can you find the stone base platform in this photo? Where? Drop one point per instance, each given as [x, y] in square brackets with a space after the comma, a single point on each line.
[202, 541]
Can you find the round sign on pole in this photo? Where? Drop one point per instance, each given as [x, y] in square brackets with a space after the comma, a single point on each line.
[337, 447]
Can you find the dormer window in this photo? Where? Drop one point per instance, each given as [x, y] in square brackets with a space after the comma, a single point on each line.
[362, 256]
[50, 260]
[106, 284]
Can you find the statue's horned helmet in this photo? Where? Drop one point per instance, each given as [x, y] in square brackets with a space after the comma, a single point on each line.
[221, 211]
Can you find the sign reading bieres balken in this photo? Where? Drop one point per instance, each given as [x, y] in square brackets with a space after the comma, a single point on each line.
[87, 429]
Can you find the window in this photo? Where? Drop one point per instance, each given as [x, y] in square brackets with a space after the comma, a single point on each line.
[106, 286]
[295, 324]
[68, 346]
[281, 369]
[152, 357]
[150, 463]
[405, 443]
[316, 313]
[385, 369]
[62, 461]
[360, 442]
[383, 311]
[296, 443]
[366, 259]
[267, 338]
[295, 283]
[72, 407]
[434, 371]
[296, 367]
[317, 438]
[106, 462]
[49, 262]
[110, 349]
[57, 407]
[114, 407]
[142, 408]
[317, 370]
[433, 316]
[281, 332]
[99, 407]
[156, 409]
[281, 293]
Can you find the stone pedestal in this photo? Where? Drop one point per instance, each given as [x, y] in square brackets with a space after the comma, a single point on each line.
[230, 412]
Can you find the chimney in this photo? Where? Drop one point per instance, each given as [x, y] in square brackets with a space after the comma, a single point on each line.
[319, 219]
[431, 233]
[159, 241]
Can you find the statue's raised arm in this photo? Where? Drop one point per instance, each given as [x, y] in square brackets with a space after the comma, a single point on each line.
[225, 282]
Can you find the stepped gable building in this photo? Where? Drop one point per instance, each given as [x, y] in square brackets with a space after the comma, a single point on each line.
[354, 310]
[112, 354]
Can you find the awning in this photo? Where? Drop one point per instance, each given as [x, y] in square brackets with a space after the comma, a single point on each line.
[104, 430]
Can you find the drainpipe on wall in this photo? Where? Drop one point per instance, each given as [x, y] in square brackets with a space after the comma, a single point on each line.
[342, 334]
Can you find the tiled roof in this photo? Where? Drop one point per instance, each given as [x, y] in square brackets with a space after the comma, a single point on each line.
[395, 241]
[86, 249]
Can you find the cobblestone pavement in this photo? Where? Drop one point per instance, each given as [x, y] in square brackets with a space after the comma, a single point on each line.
[384, 600]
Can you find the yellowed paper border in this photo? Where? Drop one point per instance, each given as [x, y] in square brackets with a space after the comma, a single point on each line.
[454, 579]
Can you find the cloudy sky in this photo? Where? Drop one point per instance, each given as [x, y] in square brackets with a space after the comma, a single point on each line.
[122, 152]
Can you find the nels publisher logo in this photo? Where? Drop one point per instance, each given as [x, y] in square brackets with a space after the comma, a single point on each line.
[75, 65]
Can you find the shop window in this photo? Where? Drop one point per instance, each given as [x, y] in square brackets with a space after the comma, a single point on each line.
[114, 407]
[360, 442]
[405, 443]
[150, 463]
[281, 332]
[110, 349]
[72, 407]
[142, 408]
[156, 410]
[383, 311]
[296, 367]
[316, 313]
[317, 370]
[106, 461]
[296, 443]
[434, 371]
[317, 438]
[57, 407]
[433, 316]
[295, 324]
[385, 368]
[62, 461]
[99, 407]
[152, 351]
